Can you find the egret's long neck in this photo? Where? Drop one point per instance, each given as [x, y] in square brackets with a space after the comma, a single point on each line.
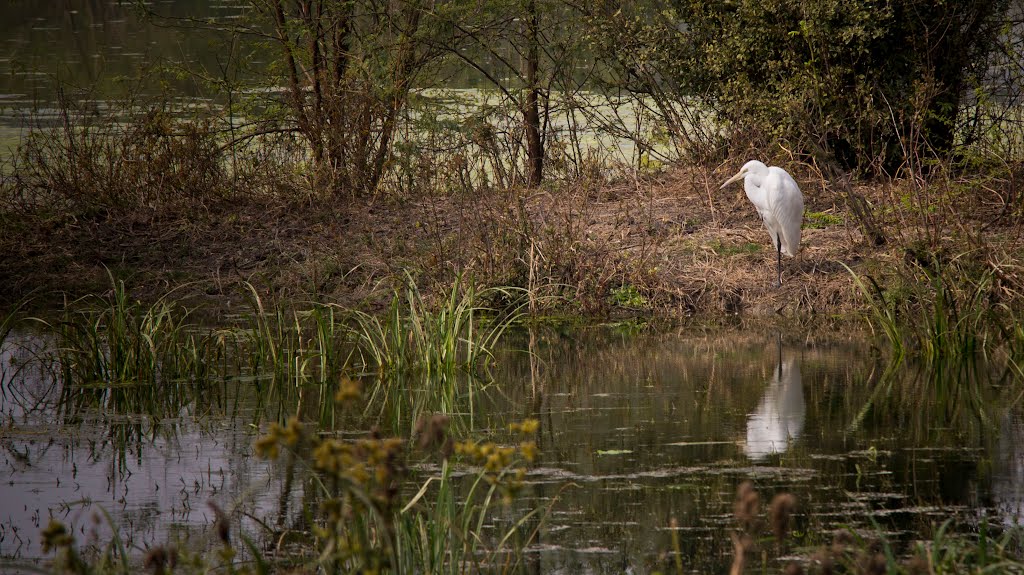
[755, 193]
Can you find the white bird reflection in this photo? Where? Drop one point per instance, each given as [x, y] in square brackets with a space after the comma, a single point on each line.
[1008, 470]
[779, 419]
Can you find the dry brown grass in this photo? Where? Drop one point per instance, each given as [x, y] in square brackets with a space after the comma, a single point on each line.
[683, 245]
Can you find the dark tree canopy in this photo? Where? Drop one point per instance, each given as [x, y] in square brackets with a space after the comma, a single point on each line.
[871, 82]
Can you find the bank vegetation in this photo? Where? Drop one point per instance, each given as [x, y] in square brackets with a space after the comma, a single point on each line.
[569, 150]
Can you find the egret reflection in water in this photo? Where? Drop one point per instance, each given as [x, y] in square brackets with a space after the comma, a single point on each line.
[1008, 470]
[779, 419]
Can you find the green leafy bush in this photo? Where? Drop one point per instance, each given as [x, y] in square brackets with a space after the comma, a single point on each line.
[856, 79]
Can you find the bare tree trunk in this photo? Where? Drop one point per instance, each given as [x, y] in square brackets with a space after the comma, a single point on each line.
[297, 98]
[337, 96]
[958, 29]
[531, 111]
[405, 66]
[314, 21]
[313, 18]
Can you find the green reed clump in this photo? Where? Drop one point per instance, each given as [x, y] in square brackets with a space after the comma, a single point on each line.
[133, 358]
[274, 342]
[294, 350]
[446, 534]
[413, 336]
[114, 339]
[938, 309]
[361, 521]
[412, 343]
[959, 319]
[884, 314]
[295, 346]
[114, 342]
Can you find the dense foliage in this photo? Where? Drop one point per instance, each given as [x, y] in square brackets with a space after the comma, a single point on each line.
[874, 85]
[877, 86]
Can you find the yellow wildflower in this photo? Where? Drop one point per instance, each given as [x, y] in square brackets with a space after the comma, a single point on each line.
[293, 432]
[349, 390]
[266, 446]
[527, 427]
[529, 451]
[56, 535]
[493, 463]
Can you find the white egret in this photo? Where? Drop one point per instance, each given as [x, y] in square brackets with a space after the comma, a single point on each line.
[778, 201]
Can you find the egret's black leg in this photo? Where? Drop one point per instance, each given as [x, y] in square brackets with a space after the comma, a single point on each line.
[778, 247]
[779, 339]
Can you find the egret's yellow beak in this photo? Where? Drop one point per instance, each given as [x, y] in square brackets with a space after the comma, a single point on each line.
[741, 174]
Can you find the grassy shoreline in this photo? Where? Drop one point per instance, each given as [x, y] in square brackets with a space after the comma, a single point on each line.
[670, 246]
[661, 247]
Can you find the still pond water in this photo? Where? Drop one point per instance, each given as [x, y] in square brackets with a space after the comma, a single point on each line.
[104, 49]
[106, 58]
[638, 428]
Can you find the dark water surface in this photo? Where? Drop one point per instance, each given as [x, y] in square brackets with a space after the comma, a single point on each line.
[99, 49]
[638, 429]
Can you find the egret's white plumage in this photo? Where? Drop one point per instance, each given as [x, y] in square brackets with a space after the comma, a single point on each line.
[779, 202]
